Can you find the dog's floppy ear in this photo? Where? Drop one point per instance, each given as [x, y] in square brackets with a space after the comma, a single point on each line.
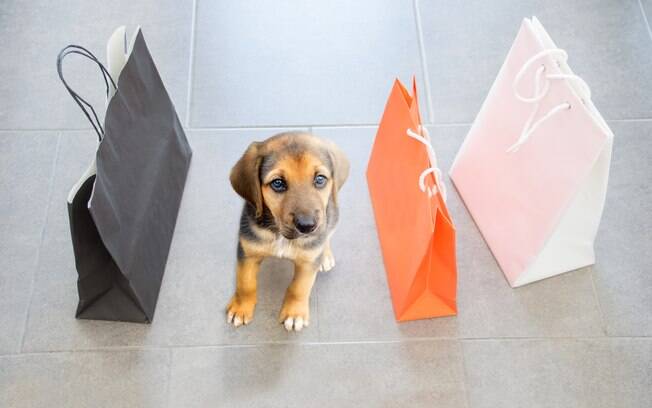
[245, 177]
[340, 167]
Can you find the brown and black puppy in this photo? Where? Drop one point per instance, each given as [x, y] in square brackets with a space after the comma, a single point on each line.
[290, 184]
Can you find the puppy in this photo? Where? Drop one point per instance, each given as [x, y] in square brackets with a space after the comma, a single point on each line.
[290, 184]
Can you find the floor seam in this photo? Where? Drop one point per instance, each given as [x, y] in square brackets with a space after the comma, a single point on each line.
[318, 314]
[295, 126]
[647, 23]
[283, 126]
[424, 61]
[169, 379]
[630, 120]
[191, 63]
[603, 321]
[53, 130]
[316, 343]
[465, 381]
[41, 240]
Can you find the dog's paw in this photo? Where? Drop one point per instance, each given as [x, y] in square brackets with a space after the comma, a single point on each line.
[327, 262]
[295, 315]
[240, 311]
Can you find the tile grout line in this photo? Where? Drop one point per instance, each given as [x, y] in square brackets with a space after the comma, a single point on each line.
[451, 124]
[424, 62]
[357, 126]
[553, 338]
[53, 130]
[111, 349]
[467, 397]
[299, 126]
[647, 23]
[284, 126]
[603, 321]
[317, 313]
[632, 120]
[169, 378]
[41, 240]
[191, 63]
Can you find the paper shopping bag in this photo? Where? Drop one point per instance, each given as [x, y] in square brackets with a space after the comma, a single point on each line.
[416, 233]
[124, 208]
[533, 168]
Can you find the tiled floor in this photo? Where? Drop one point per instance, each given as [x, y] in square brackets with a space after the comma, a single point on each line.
[241, 71]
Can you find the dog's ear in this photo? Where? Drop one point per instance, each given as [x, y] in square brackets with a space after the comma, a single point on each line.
[340, 167]
[245, 176]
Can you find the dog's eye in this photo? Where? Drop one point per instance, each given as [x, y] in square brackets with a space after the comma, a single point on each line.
[320, 181]
[278, 185]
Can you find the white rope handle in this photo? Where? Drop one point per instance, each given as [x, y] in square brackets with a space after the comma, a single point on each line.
[519, 75]
[439, 186]
[540, 92]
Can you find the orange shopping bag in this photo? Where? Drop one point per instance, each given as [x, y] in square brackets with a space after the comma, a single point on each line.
[415, 230]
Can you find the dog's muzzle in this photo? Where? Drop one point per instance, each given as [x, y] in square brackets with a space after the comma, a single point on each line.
[305, 224]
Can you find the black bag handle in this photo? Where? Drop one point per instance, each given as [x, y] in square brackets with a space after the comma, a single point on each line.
[83, 104]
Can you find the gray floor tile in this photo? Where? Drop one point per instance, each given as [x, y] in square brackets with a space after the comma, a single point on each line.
[288, 63]
[560, 306]
[622, 272]
[32, 96]
[559, 373]
[94, 379]
[200, 274]
[25, 174]
[350, 375]
[26, 160]
[283, 64]
[354, 300]
[19, 257]
[466, 43]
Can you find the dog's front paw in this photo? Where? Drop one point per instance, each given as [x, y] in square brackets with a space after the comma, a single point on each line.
[327, 261]
[295, 314]
[240, 311]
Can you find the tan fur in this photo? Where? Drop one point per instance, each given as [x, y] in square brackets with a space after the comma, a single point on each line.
[298, 171]
[242, 305]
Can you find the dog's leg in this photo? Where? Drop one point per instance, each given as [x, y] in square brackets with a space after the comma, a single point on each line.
[327, 258]
[295, 313]
[241, 308]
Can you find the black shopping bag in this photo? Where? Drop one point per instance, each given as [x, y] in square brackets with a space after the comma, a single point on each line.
[124, 209]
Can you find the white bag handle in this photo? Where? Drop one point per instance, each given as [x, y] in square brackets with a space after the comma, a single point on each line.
[439, 185]
[116, 55]
[529, 128]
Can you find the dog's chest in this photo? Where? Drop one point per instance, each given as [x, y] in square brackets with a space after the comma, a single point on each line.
[283, 248]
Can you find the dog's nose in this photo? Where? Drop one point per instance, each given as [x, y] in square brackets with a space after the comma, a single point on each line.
[305, 223]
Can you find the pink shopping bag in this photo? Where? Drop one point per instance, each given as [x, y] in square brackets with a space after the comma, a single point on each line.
[533, 169]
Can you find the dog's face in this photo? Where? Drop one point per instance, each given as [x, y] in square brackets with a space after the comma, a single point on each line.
[295, 176]
[296, 188]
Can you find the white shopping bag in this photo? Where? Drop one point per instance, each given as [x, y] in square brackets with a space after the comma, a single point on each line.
[533, 169]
